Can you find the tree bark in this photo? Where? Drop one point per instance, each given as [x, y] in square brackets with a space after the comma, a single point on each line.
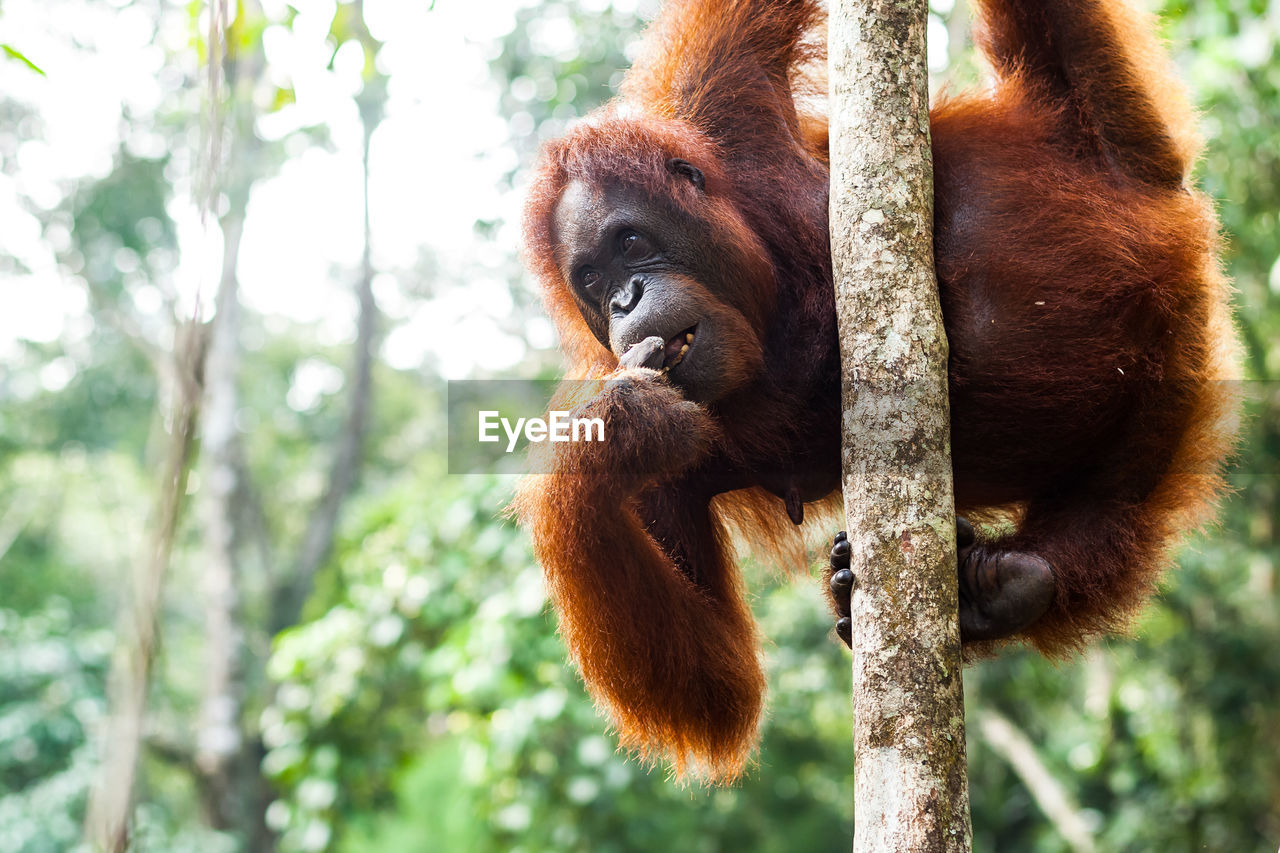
[910, 777]
[227, 750]
[218, 736]
[227, 755]
[110, 806]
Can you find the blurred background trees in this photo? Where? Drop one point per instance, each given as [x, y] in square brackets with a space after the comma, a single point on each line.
[355, 649]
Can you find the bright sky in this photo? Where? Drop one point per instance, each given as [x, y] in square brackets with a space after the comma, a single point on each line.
[430, 180]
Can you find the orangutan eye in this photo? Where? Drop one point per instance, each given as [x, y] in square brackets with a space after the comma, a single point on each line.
[633, 246]
[589, 278]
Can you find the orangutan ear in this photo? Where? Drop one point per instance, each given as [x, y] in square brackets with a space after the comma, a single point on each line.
[687, 170]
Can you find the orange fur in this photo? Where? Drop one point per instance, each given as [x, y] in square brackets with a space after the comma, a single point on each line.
[1089, 327]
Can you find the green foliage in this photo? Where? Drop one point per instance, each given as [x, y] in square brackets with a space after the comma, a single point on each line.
[123, 234]
[106, 404]
[62, 518]
[435, 671]
[51, 696]
[1170, 723]
[1229, 57]
[559, 63]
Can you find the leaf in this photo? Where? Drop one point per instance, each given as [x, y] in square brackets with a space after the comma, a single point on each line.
[14, 53]
[284, 96]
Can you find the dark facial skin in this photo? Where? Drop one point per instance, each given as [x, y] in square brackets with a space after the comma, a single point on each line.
[650, 288]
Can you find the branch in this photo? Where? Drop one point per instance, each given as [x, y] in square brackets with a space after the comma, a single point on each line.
[111, 799]
[15, 519]
[170, 750]
[910, 786]
[1007, 741]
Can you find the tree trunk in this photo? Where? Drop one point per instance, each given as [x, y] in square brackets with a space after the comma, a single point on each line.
[910, 785]
[234, 795]
[227, 750]
[110, 807]
[218, 735]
